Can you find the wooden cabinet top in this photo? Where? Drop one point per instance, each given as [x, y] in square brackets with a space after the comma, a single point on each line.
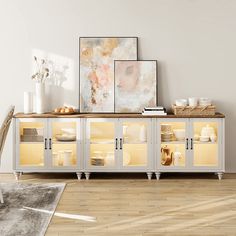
[109, 115]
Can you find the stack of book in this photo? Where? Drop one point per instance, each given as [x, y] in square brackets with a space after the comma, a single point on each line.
[154, 111]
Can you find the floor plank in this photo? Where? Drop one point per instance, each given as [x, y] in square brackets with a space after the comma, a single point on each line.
[131, 205]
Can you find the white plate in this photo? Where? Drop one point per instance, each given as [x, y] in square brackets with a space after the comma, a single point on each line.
[65, 137]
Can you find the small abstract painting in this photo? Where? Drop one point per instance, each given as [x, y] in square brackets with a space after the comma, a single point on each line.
[135, 85]
[97, 57]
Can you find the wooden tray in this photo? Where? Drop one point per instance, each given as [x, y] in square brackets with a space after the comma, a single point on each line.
[198, 110]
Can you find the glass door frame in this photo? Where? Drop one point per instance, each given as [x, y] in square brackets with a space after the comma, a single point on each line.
[149, 144]
[220, 138]
[78, 143]
[87, 155]
[158, 145]
[18, 142]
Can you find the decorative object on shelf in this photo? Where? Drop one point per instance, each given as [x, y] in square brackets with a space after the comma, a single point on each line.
[198, 110]
[176, 155]
[193, 102]
[66, 137]
[143, 134]
[97, 159]
[203, 107]
[179, 134]
[167, 134]
[135, 85]
[67, 157]
[213, 138]
[208, 133]
[166, 128]
[42, 73]
[205, 102]
[110, 161]
[40, 97]
[157, 111]
[64, 110]
[181, 102]
[97, 55]
[32, 135]
[28, 103]
[166, 158]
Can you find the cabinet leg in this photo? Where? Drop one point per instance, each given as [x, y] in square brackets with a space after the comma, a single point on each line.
[79, 174]
[158, 175]
[87, 175]
[220, 175]
[17, 175]
[149, 175]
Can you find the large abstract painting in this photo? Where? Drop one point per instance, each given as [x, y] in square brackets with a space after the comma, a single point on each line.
[97, 57]
[135, 85]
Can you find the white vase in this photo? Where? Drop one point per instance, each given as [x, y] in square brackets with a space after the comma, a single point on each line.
[28, 107]
[40, 98]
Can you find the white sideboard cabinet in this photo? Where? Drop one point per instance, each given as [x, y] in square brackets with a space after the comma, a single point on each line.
[88, 143]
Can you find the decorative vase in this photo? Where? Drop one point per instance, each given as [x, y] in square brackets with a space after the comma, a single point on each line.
[176, 155]
[28, 108]
[40, 97]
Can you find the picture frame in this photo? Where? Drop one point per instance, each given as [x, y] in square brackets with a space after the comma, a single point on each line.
[136, 85]
[96, 70]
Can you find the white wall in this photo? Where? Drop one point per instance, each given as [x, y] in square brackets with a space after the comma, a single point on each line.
[193, 40]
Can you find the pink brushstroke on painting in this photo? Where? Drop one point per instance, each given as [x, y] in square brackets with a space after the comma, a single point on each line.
[97, 57]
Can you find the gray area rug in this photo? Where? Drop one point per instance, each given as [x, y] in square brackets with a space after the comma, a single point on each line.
[28, 208]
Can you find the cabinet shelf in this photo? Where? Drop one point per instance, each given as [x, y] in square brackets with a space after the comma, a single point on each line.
[135, 143]
[32, 143]
[199, 142]
[173, 142]
[64, 142]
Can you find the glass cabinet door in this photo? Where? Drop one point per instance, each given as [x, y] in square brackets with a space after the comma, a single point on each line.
[63, 143]
[205, 143]
[32, 143]
[172, 135]
[101, 143]
[134, 143]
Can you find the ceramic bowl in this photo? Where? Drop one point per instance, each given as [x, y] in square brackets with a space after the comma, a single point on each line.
[181, 102]
[179, 134]
[204, 102]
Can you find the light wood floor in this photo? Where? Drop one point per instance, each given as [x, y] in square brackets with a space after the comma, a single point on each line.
[132, 205]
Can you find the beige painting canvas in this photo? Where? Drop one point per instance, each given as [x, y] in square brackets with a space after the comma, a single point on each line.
[135, 85]
[97, 57]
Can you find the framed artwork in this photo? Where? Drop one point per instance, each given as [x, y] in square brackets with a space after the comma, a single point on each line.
[97, 56]
[135, 85]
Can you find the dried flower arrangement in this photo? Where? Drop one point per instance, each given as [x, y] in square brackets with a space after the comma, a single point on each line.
[42, 72]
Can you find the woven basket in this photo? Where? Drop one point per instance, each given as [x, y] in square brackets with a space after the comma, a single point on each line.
[198, 110]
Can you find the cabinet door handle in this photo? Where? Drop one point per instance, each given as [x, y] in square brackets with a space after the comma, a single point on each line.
[45, 143]
[187, 143]
[116, 143]
[191, 144]
[121, 143]
[50, 143]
